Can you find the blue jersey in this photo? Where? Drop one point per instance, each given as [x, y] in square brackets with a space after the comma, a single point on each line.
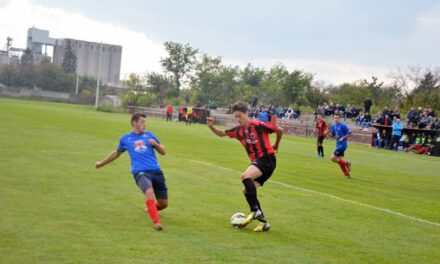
[141, 153]
[340, 130]
[264, 116]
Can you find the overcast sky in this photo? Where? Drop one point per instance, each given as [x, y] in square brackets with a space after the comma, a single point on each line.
[339, 41]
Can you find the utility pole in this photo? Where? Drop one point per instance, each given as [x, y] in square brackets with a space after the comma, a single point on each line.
[77, 82]
[99, 75]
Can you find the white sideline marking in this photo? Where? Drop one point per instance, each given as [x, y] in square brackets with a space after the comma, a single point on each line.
[331, 196]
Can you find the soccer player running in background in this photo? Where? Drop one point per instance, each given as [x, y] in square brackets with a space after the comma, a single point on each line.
[321, 130]
[254, 136]
[147, 173]
[342, 132]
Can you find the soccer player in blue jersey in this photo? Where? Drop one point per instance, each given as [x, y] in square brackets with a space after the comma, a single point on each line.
[147, 173]
[342, 132]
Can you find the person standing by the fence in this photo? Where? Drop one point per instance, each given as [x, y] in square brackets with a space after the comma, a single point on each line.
[169, 113]
[397, 133]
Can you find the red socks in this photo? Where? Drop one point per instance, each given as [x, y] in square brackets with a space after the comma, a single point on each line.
[343, 165]
[152, 211]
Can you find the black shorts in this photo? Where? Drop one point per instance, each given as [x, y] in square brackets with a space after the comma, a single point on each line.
[267, 166]
[339, 152]
[154, 179]
[320, 139]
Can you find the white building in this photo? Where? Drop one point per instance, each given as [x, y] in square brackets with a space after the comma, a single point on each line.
[87, 53]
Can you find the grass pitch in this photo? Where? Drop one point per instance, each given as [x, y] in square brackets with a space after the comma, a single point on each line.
[56, 207]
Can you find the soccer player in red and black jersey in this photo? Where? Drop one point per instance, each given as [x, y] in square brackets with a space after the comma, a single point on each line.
[321, 130]
[254, 136]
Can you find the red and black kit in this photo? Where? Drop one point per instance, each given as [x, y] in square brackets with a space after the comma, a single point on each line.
[254, 138]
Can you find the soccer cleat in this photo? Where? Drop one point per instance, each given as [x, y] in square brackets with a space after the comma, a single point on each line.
[348, 165]
[262, 227]
[251, 217]
[158, 227]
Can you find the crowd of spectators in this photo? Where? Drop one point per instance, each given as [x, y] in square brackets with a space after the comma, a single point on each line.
[420, 143]
[265, 114]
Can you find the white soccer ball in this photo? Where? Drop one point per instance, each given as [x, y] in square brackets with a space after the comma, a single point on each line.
[237, 219]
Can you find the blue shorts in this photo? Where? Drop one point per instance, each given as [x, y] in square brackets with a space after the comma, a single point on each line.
[339, 152]
[152, 179]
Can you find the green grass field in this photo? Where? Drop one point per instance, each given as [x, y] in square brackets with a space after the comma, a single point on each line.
[57, 208]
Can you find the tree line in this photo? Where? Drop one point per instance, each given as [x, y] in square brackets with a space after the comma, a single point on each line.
[190, 77]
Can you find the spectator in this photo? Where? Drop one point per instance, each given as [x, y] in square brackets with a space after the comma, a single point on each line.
[289, 113]
[169, 113]
[182, 113]
[377, 138]
[411, 117]
[386, 139]
[397, 133]
[359, 119]
[189, 115]
[366, 122]
[425, 121]
[387, 121]
[296, 113]
[379, 119]
[326, 109]
[435, 123]
[355, 112]
[401, 143]
[319, 111]
[386, 111]
[348, 111]
[263, 116]
[367, 105]
[431, 112]
[396, 112]
[280, 112]
[410, 140]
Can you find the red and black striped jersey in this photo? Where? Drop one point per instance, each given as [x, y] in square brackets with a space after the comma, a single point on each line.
[254, 138]
[321, 127]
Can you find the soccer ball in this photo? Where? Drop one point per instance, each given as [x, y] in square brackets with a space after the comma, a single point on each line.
[237, 219]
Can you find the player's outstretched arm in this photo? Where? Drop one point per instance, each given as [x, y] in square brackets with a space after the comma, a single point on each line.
[159, 147]
[278, 138]
[218, 132]
[114, 155]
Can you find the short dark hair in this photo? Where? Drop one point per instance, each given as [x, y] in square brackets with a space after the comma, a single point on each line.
[337, 114]
[240, 106]
[136, 116]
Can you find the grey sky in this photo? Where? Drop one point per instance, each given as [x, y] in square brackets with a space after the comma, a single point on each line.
[373, 33]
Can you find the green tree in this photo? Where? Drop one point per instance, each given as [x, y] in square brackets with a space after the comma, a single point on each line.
[87, 85]
[135, 89]
[160, 86]
[428, 83]
[9, 75]
[213, 81]
[179, 62]
[273, 84]
[69, 59]
[249, 84]
[52, 77]
[295, 86]
[27, 71]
